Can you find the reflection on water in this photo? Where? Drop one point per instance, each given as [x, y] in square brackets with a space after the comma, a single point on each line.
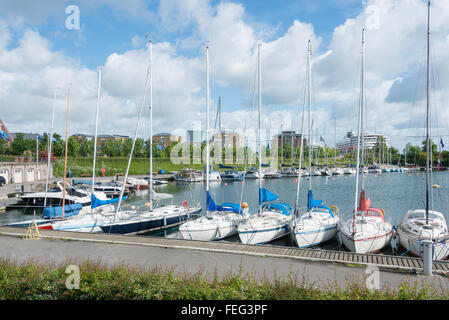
[394, 192]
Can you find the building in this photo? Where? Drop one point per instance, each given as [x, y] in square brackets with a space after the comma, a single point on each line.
[80, 136]
[26, 136]
[228, 139]
[100, 138]
[24, 171]
[164, 139]
[285, 138]
[196, 136]
[370, 141]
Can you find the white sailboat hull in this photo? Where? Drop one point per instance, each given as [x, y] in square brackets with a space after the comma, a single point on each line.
[366, 245]
[413, 245]
[217, 227]
[263, 229]
[312, 230]
[372, 239]
[414, 229]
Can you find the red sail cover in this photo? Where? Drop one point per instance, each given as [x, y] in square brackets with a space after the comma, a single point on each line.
[364, 203]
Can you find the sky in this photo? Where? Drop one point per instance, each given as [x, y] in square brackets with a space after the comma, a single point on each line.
[49, 46]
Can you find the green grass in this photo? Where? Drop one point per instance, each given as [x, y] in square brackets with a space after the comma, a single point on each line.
[32, 281]
[139, 166]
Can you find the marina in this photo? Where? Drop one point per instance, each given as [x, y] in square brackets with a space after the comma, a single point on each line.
[340, 188]
[275, 142]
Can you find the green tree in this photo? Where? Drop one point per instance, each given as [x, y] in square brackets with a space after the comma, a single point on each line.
[124, 147]
[86, 148]
[58, 147]
[19, 145]
[3, 148]
[73, 147]
[139, 148]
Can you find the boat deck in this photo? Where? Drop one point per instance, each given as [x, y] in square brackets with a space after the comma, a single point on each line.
[397, 263]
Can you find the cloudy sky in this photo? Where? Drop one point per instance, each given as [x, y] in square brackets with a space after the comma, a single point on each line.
[41, 53]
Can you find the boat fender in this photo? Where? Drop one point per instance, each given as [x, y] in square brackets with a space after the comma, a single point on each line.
[334, 209]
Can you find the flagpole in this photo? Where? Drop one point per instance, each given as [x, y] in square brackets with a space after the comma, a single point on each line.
[66, 147]
[49, 150]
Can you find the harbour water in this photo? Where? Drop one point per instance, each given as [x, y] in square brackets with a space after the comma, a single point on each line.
[395, 192]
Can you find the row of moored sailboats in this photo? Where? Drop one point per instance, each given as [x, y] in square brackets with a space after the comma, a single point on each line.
[366, 231]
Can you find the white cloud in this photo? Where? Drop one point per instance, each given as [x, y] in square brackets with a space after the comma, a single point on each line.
[396, 50]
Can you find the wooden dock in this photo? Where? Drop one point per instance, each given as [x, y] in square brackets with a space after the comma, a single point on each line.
[394, 263]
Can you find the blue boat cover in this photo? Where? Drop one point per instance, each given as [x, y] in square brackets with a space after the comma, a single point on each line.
[56, 212]
[265, 196]
[284, 207]
[221, 166]
[228, 206]
[95, 202]
[87, 182]
[311, 203]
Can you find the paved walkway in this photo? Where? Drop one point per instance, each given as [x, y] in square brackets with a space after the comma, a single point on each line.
[192, 259]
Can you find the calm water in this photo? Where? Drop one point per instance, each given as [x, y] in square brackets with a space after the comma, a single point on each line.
[394, 192]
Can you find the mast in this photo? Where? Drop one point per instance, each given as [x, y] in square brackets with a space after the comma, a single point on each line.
[49, 149]
[151, 125]
[428, 115]
[362, 107]
[335, 137]
[359, 125]
[291, 151]
[133, 145]
[65, 157]
[96, 129]
[219, 115]
[298, 186]
[207, 125]
[260, 111]
[282, 146]
[309, 99]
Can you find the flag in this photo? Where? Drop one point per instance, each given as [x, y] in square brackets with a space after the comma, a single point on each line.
[38, 136]
[4, 136]
[160, 147]
[441, 142]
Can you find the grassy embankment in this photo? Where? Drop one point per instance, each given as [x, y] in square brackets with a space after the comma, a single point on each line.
[139, 166]
[33, 281]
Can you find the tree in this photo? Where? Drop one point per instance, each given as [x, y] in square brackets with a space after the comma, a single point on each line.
[73, 147]
[3, 148]
[19, 145]
[58, 148]
[86, 148]
[124, 147]
[138, 148]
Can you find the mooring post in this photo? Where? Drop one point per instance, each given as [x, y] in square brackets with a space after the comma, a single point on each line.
[427, 246]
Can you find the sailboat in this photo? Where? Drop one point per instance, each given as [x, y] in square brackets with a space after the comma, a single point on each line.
[99, 209]
[161, 217]
[272, 218]
[220, 221]
[319, 224]
[366, 231]
[425, 224]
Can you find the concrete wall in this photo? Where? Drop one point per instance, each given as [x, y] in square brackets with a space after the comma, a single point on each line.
[19, 172]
